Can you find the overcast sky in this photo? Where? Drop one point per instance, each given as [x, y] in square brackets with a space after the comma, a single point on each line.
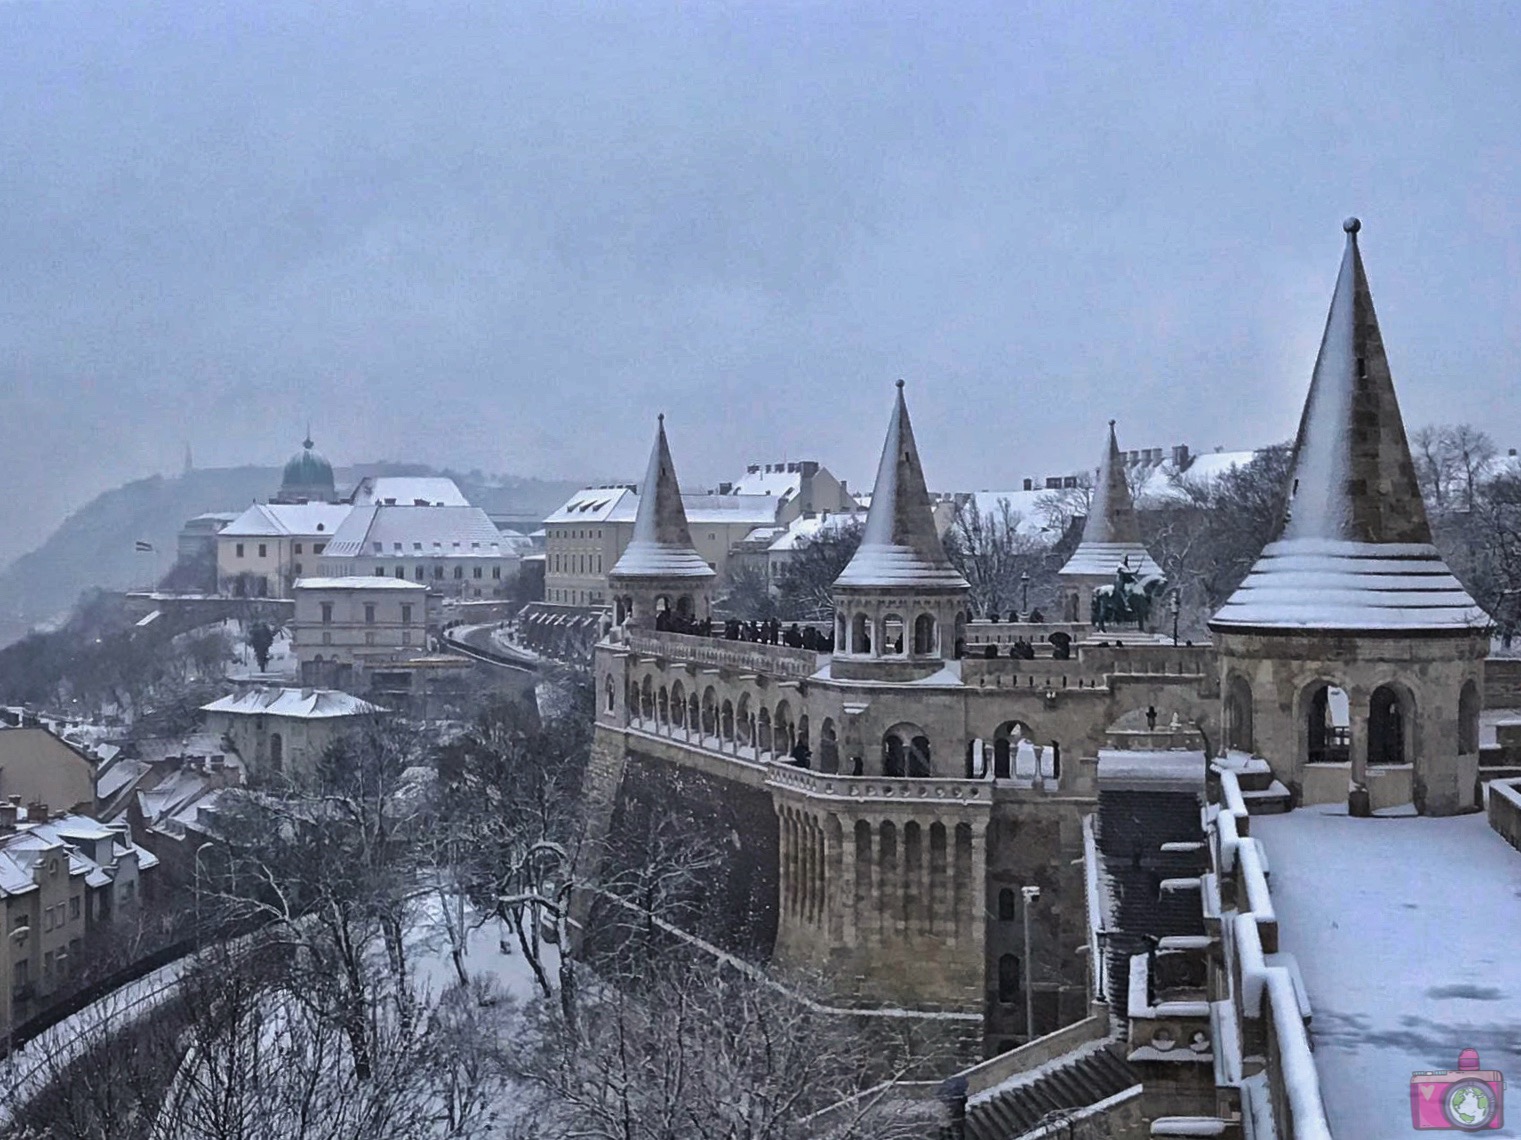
[504, 236]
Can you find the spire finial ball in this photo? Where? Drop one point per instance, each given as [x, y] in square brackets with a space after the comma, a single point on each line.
[900, 385]
[1352, 225]
[660, 416]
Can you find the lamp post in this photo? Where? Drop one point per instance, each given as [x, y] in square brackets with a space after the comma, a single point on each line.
[1024, 594]
[1030, 895]
[1175, 607]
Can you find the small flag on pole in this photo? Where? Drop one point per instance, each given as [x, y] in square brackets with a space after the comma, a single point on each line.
[143, 547]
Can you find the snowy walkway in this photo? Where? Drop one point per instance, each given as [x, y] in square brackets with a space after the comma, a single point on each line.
[1408, 935]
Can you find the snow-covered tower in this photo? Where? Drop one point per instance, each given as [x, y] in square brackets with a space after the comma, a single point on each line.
[660, 571]
[900, 606]
[1111, 538]
[1352, 607]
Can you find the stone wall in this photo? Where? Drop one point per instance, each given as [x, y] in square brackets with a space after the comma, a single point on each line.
[1504, 803]
[1502, 683]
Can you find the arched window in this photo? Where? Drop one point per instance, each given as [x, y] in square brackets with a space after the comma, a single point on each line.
[919, 757]
[906, 752]
[647, 699]
[1387, 726]
[612, 698]
[1468, 719]
[892, 635]
[960, 634]
[1008, 978]
[763, 729]
[663, 705]
[1006, 905]
[1238, 714]
[684, 605]
[743, 721]
[679, 704]
[860, 634]
[726, 721]
[924, 635]
[1006, 741]
[782, 728]
[1328, 730]
[276, 752]
[694, 712]
[839, 629]
[893, 762]
[829, 747]
[709, 712]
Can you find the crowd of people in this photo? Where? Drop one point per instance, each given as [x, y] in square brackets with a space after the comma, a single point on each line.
[770, 632]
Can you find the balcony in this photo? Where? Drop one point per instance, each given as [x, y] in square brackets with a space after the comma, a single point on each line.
[879, 789]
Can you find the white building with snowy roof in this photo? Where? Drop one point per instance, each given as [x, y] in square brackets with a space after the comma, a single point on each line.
[408, 491]
[453, 550]
[284, 730]
[265, 549]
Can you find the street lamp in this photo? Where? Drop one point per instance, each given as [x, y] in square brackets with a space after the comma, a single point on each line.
[1024, 593]
[1030, 895]
[1174, 606]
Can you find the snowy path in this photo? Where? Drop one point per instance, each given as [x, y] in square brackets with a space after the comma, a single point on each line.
[1408, 935]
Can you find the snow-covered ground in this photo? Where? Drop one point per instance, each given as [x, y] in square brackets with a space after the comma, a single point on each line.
[1408, 934]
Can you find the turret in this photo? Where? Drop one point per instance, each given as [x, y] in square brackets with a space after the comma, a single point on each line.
[660, 581]
[900, 604]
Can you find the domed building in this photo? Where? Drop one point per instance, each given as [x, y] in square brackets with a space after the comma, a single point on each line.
[308, 478]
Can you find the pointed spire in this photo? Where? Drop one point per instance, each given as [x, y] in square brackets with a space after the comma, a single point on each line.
[1356, 551]
[1111, 534]
[307, 442]
[901, 544]
[661, 546]
[1353, 479]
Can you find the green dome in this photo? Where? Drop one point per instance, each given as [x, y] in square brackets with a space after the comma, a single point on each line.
[308, 472]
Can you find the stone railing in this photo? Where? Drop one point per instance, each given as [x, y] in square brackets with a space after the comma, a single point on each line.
[1503, 800]
[884, 789]
[995, 1070]
[1177, 1028]
[1268, 1007]
[741, 656]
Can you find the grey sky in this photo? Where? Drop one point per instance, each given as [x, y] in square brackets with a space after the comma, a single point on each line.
[506, 235]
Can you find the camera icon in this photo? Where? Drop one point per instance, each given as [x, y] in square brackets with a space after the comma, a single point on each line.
[1465, 1099]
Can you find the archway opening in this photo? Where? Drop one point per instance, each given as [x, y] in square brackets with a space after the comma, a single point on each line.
[892, 635]
[860, 634]
[1328, 726]
[1388, 726]
[829, 747]
[924, 635]
[1238, 714]
[1468, 719]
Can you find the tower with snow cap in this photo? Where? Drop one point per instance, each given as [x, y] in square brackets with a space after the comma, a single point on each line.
[900, 605]
[1111, 538]
[1351, 657]
[660, 572]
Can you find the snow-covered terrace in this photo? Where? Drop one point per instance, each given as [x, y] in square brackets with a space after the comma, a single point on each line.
[1406, 930]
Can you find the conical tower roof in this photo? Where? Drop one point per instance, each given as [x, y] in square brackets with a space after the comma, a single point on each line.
[1356, 552]
[662, 543]
[1111, 535]
[900, 547]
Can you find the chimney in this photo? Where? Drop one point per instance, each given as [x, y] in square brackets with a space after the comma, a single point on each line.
[1180, 457]
[753, 469]
[37, 812]
[7, 817]
[1029, 484]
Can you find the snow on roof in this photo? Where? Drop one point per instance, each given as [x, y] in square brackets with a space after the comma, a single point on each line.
[770, 479]
[275, 520]
[1177, 770]
[418, 532]
[1111, 534]
[756, 509]
[409, 491]
[359, 582]
[900, 545]
[1404, 932]
[661, 546]
[808, 527]
[1356, 552]
[304, 704]
[596, 504]
[1104, 558]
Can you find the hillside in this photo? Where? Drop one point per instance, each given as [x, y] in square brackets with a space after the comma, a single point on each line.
[95, 546]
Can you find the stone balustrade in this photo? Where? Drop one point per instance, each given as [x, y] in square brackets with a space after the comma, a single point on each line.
[740, 656]
[885, 789]
[1503, 802]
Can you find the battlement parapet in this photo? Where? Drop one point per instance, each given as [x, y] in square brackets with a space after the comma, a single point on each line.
[741, 656]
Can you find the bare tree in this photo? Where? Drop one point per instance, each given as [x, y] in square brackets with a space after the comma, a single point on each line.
[996, 558]
[807, 584]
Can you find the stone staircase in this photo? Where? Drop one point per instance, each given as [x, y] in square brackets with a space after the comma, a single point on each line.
[1049, 1094]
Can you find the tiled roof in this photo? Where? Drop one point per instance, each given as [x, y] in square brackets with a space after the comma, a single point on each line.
[305, 704]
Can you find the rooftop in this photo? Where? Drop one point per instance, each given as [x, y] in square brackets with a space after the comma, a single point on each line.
[1404, 931]
[409, 491]
[383, 531]
[276, 520]
[359, 582]
[306, 704]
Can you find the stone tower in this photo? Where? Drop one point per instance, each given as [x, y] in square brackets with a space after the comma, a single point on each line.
[899, 603]
[1111, 538]
[659, 571]
[1350, 655]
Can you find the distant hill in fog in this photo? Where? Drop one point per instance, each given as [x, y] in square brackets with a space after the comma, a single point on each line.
[95, 546]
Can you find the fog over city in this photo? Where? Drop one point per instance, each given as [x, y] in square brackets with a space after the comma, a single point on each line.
[505, 236]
